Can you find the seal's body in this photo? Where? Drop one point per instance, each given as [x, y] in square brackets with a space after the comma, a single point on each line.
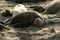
[27, 18]
[53, 7]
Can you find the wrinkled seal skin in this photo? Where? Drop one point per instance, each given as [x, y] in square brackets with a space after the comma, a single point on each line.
[53, 7]
[25, 19]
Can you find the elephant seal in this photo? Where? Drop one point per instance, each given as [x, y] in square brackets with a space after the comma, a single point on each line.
[25, 19]
[38, 9]
[19, 8]
[53, 7]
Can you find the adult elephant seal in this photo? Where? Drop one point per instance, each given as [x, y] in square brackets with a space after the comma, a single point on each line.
[26, 19]
[19, 8]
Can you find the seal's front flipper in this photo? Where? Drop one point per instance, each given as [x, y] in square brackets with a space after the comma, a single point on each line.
[38, 22]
